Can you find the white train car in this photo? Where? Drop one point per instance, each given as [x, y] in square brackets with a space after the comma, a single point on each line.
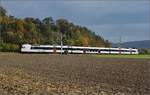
[27, 48]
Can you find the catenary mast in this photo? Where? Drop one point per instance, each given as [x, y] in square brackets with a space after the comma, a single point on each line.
[0, 24]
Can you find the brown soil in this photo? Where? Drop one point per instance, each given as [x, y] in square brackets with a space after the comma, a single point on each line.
[45, 74]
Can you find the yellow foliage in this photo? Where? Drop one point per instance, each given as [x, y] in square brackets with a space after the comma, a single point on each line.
[85, 41]
[20, 25]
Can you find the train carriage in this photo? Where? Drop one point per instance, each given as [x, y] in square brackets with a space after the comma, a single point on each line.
[27, 48]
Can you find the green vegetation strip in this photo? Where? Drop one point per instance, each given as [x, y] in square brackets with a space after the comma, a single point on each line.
[124, 56]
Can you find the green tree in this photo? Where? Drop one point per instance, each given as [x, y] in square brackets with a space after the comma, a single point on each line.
[16, 31]
[62, 25]
[2, 12]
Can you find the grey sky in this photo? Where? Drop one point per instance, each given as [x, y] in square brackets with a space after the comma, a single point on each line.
[108, 18]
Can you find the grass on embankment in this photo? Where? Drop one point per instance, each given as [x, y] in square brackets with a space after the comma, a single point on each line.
[138, 56]
[124, 56]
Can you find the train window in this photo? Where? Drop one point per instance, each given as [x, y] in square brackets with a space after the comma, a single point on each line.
[45, 48]
[81, 49]
[23, 47]
[76, 49]
[104, 50]
[112, 50]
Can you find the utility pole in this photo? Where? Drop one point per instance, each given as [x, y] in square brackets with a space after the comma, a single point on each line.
[61, 42]
[62, 30]
[149, 27]
[120, 42]
[149, 24]
[0, 24]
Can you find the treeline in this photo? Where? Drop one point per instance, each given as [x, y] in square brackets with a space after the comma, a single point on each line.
[17, 31]
[144, 50]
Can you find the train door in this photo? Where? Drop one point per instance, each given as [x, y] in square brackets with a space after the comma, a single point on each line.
[119, 50]
[84, 51]
[54, 50]
[99, 51]
[130, 51]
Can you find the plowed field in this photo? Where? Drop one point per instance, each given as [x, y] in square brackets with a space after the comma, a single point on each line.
[45, 74]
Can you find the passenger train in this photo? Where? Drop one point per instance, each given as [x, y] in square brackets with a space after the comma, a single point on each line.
[27, 48]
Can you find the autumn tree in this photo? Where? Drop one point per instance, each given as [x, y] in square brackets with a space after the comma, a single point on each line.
[16, 31]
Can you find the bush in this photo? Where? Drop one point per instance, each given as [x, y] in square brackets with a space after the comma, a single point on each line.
[144, 51]
[9, 47]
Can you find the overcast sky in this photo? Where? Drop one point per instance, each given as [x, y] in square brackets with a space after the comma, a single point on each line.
[108, 18]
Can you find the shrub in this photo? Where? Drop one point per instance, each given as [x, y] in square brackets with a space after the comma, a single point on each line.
[9, 47]
[144, 51]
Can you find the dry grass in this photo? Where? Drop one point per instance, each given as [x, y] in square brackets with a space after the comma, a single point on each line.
[42, 74]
